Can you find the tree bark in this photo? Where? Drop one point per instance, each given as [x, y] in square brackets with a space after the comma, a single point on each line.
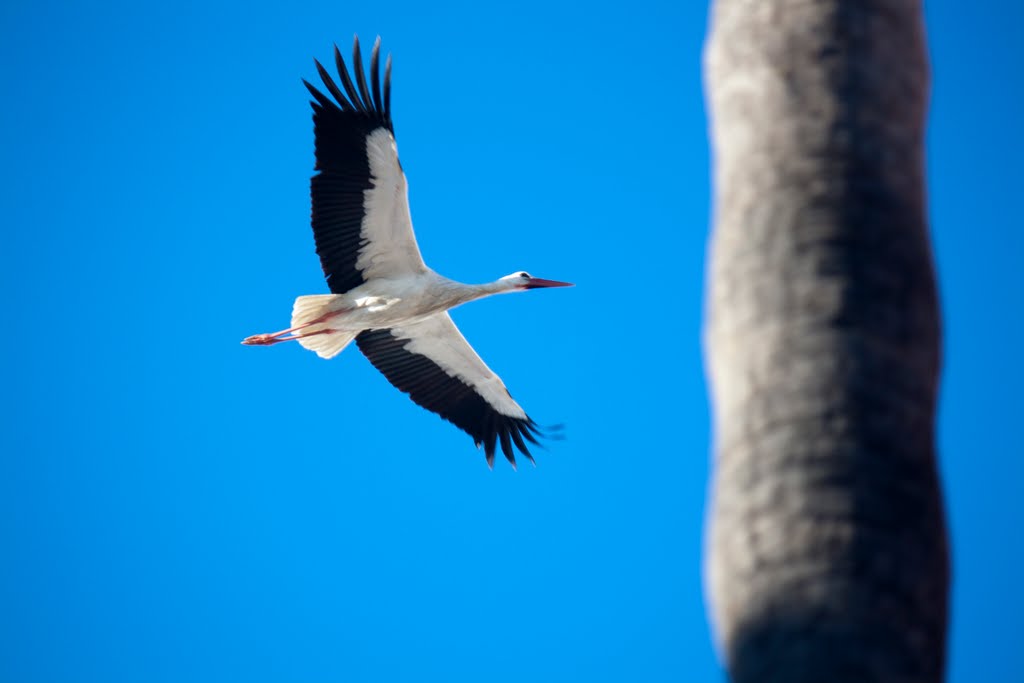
[827, 552]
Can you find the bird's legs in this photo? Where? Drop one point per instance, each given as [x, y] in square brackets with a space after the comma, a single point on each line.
[270, 338]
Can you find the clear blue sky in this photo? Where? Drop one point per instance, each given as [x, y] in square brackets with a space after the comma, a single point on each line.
[177, 507]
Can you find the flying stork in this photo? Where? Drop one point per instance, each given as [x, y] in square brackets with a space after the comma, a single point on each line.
[383, 295]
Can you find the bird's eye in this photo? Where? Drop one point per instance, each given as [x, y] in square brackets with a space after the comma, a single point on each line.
[526, 275]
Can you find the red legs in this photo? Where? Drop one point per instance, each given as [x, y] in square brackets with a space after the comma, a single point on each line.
[275, 337]
[268, 340]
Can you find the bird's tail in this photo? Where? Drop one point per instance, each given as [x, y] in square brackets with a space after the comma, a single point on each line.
[316, 337]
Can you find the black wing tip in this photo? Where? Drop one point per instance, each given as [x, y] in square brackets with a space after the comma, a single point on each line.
[320, 101]
[357, 97]
[510, 435]
[375, 75]
[357, 66]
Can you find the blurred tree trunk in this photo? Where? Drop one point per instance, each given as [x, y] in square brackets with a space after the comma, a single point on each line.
[827, 553]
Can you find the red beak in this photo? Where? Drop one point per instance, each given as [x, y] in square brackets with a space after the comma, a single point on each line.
[535, 282]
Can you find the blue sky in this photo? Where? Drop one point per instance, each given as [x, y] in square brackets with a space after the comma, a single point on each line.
[175, 506]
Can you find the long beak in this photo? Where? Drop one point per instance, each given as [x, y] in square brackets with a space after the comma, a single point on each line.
[535, 282]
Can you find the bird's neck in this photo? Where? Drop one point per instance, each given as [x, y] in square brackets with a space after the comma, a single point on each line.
[458, 293]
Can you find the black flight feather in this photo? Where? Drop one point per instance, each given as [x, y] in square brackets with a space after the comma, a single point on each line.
[357, 66]
[346, 81]
[375, 75]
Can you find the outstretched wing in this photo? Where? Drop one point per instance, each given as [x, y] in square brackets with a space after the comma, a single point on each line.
[361, 220]
[432, 362]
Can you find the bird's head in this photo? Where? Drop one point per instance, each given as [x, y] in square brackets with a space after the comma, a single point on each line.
[522, 280]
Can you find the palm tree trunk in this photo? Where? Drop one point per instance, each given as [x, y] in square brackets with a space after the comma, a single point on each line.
[827, 553]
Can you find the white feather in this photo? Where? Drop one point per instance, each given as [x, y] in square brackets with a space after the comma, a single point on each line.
[313, 337]
[390, 250]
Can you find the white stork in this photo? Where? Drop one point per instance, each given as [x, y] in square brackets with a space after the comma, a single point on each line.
[383, 295]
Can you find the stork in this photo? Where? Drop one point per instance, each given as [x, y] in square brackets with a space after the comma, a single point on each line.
[382, 294]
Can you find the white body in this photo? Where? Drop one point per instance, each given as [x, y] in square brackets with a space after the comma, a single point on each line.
[386, 303]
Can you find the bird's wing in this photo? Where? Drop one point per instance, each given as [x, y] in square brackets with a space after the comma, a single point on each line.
[361, 220]
[432, 362]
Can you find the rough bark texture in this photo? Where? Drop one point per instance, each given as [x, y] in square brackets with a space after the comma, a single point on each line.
[828, 557]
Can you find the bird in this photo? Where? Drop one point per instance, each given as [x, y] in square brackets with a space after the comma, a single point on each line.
[382, 293]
